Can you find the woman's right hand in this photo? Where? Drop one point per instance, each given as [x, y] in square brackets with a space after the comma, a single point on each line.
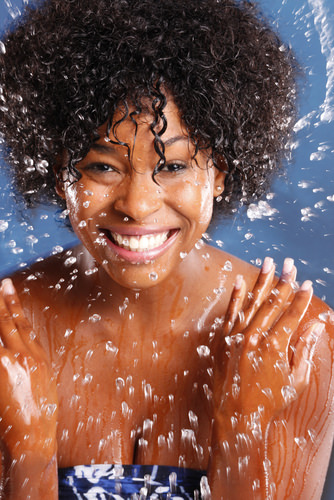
[28, 394]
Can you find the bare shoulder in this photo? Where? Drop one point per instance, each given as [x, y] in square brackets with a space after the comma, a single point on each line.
[46, 282]
[233, 265]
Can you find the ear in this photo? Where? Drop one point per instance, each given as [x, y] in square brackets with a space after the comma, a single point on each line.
[220, 174]
[58, 170]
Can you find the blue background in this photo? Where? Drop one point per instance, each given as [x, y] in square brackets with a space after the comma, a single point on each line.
[298, 220]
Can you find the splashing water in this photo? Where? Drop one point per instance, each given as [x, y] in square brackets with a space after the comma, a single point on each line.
[295, 219]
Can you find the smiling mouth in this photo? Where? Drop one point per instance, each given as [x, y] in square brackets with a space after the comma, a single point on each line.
[139, 244]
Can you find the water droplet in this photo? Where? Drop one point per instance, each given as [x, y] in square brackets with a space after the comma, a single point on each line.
[11, 244]
[267, 465]
[300, 442]
[259, 211]
[123, 307]
[268, 393]
[289, 394]
[193, 419]
[183, 255]
[235, 390]
[17, 250]
[312, 434]
[228, 266]
[111, 347]
[119, 383]
[219, 243]
[88, 193]
[256, 360]
[88, 272]
[203, 351]
[153, 276]
[67, 333]
[125, 408]
[86, 204]
[50, 409]
[57, 249]
[243, 464]
[88, 378]
[256, 485]
[3, 226]
[82, 223]
[147, 391]
[64, 214]
[172, 482]
[94, 318]
[199, 244]
[42, 167]
[70, 261]
[100, 240]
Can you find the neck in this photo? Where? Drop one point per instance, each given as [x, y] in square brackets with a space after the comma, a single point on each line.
[165, 302]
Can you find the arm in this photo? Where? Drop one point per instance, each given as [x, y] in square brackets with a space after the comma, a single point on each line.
[259, 378]
[28, 407]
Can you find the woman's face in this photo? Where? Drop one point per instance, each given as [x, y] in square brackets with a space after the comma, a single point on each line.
[137, 229]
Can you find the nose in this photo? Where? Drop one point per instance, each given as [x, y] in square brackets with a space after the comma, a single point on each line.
[138, 196]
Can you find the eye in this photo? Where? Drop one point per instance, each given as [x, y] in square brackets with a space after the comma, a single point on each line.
[173, 167]
[100, 167]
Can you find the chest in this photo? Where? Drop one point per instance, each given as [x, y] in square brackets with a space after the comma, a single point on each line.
[127, 396]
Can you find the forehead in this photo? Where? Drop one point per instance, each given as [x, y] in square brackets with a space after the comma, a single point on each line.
[132, 125]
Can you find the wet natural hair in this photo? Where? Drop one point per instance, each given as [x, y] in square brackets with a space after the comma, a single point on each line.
[68, 65]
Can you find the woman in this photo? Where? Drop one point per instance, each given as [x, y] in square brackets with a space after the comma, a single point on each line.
[143, 346]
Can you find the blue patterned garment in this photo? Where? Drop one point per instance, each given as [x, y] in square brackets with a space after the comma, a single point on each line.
[133, 482]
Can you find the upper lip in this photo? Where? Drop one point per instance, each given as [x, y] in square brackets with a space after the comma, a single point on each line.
[137, 231]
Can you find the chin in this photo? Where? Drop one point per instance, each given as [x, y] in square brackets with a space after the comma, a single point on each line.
[136, 277]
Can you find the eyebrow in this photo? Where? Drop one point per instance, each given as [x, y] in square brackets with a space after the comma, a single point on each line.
[111, 149]
[172, 140]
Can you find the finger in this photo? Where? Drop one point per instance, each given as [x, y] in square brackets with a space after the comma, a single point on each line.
[260, 291]
[288, 323]
[235, 304]
[14, 307]
[301, 363]
[8, 332]
[24, 339]
[275, 304]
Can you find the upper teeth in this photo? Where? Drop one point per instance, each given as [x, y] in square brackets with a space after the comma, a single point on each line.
[140, 243]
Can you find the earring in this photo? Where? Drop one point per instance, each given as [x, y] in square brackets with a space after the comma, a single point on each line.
[219, 197]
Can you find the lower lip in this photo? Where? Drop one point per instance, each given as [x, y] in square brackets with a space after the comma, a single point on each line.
[142, 257]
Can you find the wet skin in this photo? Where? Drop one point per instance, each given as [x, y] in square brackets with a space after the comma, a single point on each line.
[136, 381]
[117, 194]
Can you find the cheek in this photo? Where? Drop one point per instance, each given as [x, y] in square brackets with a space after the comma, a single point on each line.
[85, 202]
[72, 196]
[195, 199]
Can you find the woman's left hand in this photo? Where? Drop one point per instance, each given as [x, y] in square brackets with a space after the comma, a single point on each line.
[263, 367]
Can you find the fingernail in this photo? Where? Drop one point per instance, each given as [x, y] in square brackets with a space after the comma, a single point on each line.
[287, 266]
[238, 281]
[307, 285]
[7, 286]
[267, 265]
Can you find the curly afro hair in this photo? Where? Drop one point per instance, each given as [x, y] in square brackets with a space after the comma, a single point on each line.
[68, 64]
